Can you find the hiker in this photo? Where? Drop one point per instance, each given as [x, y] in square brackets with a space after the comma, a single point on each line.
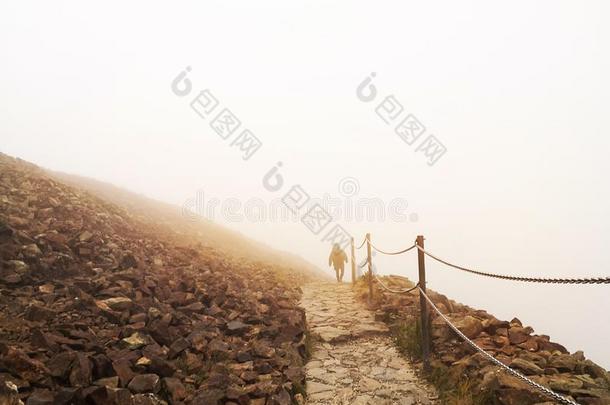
[338, 258]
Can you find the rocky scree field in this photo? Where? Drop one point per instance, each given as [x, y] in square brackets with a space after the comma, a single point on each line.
[465, 376]
[98, 306]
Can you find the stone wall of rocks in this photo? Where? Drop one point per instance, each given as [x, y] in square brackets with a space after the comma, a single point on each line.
[516, 345]
[99, 307]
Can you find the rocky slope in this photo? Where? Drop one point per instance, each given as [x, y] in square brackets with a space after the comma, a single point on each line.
[194, 227]
[514, 344]
[100, 306]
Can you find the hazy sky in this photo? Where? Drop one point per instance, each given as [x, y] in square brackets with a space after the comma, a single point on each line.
[518, 94]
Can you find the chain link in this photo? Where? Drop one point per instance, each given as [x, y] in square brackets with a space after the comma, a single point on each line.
[551, 394]
[393, 253]
[600, 280]
[544, 390]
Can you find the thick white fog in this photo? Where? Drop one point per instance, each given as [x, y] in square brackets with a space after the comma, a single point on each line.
[517, 94]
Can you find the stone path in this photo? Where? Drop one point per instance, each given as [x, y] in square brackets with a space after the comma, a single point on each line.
[355, 361]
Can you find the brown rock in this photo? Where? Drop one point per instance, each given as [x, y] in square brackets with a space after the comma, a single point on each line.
[135, 341]
[128, 261]
[596, 371]
[123, 370]
[147, 399]
[517, 334]
[196, 307]
[469, 326]
[281, 398]
[531, 345]
[564, 383]
[18, 266]
[97, 395]
[120, 396]
[161, 366]
[528, 367]
[178, 347]
[19, 363]
[9, 395]
[31, 251]
[563, 362]
[61, 363]
[193, 362]
[145, 383]
[175, 388]
[39, 313]
[41, 397]
[237, 328]
[85, 236]
[112, 316]
[545, 344]
[118, 303]
[109, 382]
[80, 375]
[516, 322]
[209, 397]
[262, 349]
[219, 349]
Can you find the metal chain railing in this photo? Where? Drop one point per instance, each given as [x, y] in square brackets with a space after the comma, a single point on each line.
[401, 291]
[600, 280]
[541, 388]
[425, 300]
[393, 253]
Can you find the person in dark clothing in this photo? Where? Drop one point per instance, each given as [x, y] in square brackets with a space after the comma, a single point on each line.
[338, 258]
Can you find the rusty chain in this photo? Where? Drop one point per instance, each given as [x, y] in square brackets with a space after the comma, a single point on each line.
[393, 253]
[600, 280]
[541, 388]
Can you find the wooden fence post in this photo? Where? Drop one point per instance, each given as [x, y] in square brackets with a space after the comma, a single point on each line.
[423, 305]
[368, 255]
[353, 263]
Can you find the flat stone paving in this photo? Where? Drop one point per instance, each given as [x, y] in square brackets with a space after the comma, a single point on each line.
[356, 361]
